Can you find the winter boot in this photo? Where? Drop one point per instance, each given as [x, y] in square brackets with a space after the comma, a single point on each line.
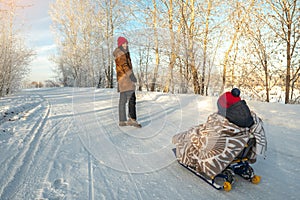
[133, 122]
[121, 123]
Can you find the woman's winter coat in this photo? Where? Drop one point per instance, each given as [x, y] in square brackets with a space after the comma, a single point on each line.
[125, 76]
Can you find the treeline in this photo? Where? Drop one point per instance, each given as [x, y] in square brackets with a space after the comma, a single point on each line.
[14, 55]
[182, 46]
[177, 46]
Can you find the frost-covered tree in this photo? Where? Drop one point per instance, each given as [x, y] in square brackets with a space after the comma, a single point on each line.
[181, 46]
[14, 55]
[283, 18]
[73, 24]
[85, 38]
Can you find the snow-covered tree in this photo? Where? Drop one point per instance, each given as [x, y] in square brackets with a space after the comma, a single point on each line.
[85, 36]
[15, 56]
[283, 18]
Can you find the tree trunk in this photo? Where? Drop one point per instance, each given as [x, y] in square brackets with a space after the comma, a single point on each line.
[288, 64]
[157, 60]
[205, 41]
[191, 50]
[170, 86]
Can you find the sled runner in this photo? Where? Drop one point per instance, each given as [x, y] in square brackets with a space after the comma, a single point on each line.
[227, 178]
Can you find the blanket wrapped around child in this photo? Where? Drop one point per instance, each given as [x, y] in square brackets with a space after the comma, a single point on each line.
[212, 146]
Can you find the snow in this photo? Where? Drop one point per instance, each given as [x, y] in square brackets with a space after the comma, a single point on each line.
[65, 143]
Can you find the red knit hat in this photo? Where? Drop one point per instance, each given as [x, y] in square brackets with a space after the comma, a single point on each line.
[227, 99]
[121, 40]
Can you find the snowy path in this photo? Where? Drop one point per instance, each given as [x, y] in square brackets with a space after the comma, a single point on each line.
[33, 146]
[65, 143]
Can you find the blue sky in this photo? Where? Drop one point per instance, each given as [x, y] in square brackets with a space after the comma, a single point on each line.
[39, 37]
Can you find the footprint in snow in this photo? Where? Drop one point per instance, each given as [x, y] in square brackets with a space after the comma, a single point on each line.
[57, 191]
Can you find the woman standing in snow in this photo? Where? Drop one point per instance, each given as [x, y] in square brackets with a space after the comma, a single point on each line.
[126, 84]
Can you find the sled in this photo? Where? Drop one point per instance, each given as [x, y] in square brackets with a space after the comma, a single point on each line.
[226, 179]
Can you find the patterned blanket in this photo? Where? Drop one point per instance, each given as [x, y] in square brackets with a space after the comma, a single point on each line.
[212, 146]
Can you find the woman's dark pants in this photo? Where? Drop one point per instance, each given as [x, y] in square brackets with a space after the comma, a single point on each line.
[128, 96]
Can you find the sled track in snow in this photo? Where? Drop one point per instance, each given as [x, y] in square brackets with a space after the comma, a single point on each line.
[93, 161]
[91, 179]
[94, 165]
[138, 193]
[23, 160]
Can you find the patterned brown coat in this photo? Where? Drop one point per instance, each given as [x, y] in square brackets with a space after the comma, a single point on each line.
[212, 146]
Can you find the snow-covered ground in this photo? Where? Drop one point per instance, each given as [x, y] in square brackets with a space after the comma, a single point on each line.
[65, 143]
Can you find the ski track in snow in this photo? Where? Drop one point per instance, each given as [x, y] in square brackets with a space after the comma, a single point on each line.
[22, 160]
[65, 143]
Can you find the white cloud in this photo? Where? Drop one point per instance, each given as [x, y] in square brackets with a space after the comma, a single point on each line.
[41, 67]
[45, 49]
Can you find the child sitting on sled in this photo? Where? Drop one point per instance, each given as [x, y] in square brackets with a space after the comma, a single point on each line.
[210, 149]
